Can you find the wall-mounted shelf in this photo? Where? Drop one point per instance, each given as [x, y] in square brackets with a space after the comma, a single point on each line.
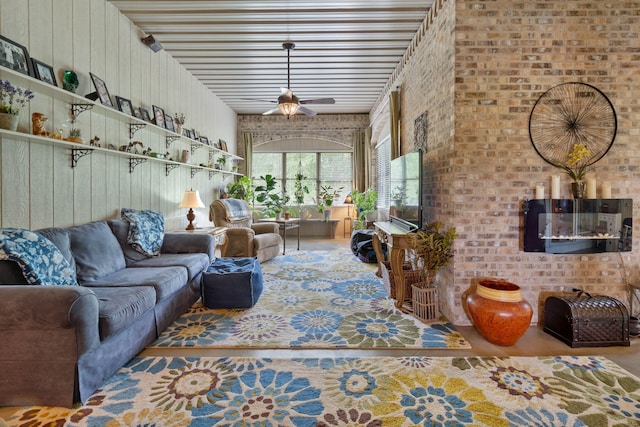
[577, 225]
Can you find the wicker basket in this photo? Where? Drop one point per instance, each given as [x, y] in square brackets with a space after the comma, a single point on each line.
[410, 277]
[425, 303]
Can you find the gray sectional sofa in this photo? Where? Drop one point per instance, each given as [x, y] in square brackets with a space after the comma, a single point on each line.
[60, 343]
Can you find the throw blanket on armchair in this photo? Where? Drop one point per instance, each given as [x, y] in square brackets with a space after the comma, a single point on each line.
[237, 210]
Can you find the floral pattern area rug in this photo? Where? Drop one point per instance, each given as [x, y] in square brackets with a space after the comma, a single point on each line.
[410, 391]
[312, 299]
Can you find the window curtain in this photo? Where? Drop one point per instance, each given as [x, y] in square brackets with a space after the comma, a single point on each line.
[362, 160]
[248, 153]
[394, 112]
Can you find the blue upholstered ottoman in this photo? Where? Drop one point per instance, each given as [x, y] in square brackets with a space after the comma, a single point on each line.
[232, 283]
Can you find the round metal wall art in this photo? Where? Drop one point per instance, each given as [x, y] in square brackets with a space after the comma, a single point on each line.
[569, 114]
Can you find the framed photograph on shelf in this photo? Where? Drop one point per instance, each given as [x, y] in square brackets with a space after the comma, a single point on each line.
[158, 114]
[168, 123]
[124, 105]
[223, 146]
[204, 140]
[101, 92]
[15, 56]
[185, 132]
[144, 114]
[216, 144]
[44, 72]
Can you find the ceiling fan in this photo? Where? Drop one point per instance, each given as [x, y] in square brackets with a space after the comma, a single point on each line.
[288, 103]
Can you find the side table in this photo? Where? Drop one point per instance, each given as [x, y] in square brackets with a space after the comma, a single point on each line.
[284, 225]
[218, 233]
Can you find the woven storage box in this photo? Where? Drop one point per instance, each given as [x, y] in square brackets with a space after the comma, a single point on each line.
[587, 321]
[410, 277]
[425, 303]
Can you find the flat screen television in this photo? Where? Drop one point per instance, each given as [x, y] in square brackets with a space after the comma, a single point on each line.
[405, 188]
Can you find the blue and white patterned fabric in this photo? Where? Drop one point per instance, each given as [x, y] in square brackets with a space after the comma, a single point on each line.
[41, 261]
[146, 230]
[237, 210]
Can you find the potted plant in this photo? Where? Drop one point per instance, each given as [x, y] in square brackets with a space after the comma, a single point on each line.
[364, 203]
[326, 196]
[241, 189]
[398, 197]
[267, 196]
[221, 162]
[75, 135]
[299, 190]
[433, 251]
[12, 99]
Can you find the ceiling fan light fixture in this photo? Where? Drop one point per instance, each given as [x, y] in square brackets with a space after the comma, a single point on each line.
[288, 108]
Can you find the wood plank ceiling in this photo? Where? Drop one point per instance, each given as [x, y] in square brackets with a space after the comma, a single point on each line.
[344, 49]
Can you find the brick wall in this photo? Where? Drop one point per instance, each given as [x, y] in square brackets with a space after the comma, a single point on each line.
[493, 59]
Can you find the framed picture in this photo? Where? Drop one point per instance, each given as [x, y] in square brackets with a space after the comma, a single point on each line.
[124, 105]
[185, 132]
[101, 90]
[158, 114]
[223, 146]
[216, 144]
[204, 140]
[192, 134]
[144, 114]
[168, 123]
[44, 72]
[15, 56]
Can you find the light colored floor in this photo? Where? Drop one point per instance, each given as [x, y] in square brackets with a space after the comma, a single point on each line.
[534, 342]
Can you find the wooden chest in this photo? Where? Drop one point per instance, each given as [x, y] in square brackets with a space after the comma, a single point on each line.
[587, 321]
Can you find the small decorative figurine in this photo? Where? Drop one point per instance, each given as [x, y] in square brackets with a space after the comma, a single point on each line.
[38, 120]
[70, 81]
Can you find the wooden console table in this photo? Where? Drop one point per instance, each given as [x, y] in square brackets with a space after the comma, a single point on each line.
[398, 238]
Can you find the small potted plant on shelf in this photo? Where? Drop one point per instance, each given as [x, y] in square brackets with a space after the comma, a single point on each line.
[326, 197]
[221, 162]
[75, 135]
[12, 99]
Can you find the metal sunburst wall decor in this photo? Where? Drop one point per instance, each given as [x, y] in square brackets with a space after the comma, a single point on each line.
[570, 114]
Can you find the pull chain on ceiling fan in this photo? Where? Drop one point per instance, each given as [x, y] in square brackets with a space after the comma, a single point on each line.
[288, 103]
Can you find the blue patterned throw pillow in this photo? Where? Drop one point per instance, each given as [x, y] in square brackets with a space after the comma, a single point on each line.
[40, 260]
[146, 230]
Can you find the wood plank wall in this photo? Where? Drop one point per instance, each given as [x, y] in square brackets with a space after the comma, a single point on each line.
[38, 186]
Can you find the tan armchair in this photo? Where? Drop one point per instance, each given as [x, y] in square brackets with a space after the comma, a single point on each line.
[244, 238]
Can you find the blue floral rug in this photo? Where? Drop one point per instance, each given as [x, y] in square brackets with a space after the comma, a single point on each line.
[312, 299]
[410, 391]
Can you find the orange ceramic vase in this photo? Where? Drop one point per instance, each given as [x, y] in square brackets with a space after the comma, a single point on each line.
[498, 311]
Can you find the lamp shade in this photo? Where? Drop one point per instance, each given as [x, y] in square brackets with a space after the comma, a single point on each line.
[191, 199]
[348, 200]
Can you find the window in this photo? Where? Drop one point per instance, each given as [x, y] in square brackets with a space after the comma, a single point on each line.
[317, 169]
[383, 159]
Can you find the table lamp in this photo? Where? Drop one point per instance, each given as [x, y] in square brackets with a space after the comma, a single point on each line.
[348, 201]
[191, 200]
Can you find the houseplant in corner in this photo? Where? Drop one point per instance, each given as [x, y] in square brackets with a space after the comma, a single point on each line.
[241, 189]
[433, 251]
[12, 99]
[365, 203]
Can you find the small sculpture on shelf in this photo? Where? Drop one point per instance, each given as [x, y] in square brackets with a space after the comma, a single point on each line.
[94, 141]
[178, 120]
[38, 121]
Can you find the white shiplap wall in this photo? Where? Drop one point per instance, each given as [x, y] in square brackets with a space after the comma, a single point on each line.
[39, 188]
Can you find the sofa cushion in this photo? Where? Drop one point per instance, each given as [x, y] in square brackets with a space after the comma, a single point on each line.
[195, 263]
[120, 307]
[96, 251]
[146, 230]
[165, 280]
[40, 260]
[120, 229]
[60, 238]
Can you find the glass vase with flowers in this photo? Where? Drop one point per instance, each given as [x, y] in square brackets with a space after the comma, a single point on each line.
[12, 100]
[576, 166]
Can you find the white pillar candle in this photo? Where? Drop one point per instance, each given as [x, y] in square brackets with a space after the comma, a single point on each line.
[591, 188]
[555, 186]
[606, 190]
[539, 191]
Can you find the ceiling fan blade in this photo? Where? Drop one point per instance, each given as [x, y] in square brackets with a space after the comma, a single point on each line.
[306, 111]
[318, 101]
[256, 99]
[275, 110]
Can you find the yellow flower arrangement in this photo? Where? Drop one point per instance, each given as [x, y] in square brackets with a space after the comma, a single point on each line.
[576, 166]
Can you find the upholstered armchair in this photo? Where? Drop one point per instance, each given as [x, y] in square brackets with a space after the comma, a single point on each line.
[244, 238]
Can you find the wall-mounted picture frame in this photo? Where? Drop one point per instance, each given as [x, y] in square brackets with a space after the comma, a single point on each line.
[15, 56]
[204, 140]
[101, 93]
[158, 114]
[124, 105]
[44, 72]
[144, 114]
[168, 123]
[223, 146]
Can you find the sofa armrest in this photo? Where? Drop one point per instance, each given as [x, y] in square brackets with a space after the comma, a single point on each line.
[265, 227]
[37, 319]
[180, 243]
[239, 242]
